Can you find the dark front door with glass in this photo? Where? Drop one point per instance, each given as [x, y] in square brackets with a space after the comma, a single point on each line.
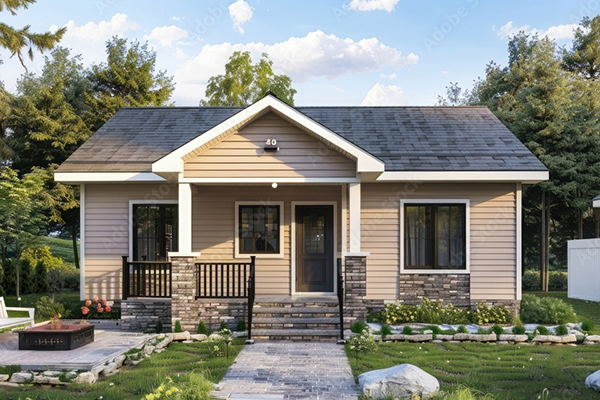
[314, 248]
[154, 231]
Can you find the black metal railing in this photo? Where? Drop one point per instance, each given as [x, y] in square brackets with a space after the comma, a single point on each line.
[223, 280]
[340, 294]
[251, 295]
[146, 279]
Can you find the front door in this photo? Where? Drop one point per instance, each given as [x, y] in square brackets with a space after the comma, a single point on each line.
[314, 248]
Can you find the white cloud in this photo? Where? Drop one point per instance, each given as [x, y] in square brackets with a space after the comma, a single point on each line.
[382, 95]
[391, 76]
[240, 13]
[175, 18]
[555, 32]
[445, 72]
[371, 5]
[166, 35]
[88, 39]
[180, 54]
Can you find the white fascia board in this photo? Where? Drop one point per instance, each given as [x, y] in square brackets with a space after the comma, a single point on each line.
[103, 177]
[172, 162]
[465, 176]
[268, 180]
[596, 204]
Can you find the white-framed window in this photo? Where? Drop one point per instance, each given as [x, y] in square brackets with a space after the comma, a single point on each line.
[259, 229]
[434, 236]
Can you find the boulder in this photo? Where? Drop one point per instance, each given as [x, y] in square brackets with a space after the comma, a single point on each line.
[418, 338]
[181, 336]
[240, 334]
[593, 381]
[462, 336]
[97, 370]
[568, 339]
[445, 337]
[4, 377]
[51, 373]
[593, 338]
[513, 338]
[199, 337]
[21, 377]
[401, 381]
[47, 380]
[85, 378]
[488, 337]
[163, 343]
[119, 360]
[149, 350]
[110, 368]
[215, 336]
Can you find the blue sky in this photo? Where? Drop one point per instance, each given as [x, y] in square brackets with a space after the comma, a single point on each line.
[346, 52]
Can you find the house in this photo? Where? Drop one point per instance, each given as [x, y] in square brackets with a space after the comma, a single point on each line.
[186, 212]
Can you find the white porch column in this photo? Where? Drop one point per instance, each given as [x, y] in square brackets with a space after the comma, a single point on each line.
[354, 211]
[185, 218]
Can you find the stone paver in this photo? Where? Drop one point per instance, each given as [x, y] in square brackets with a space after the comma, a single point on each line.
[289, 370]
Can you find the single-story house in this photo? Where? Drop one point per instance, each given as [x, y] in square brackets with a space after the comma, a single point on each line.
[223, 213]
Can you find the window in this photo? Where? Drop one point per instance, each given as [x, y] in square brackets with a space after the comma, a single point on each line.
[259, 229]
[154, 231]
[435, 236]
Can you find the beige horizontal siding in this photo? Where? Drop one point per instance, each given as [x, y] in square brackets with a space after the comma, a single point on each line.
[493, 235]
[241, 155]
[106, 237]
[214, 226]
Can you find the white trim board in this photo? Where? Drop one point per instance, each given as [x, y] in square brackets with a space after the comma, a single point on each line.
[236, 239]
[82, 242]
[293, 246]
[102, 177]
[464, 176]
[130, 218]
[269, 180]
[467, 203]
[172, 162]
[519, 244]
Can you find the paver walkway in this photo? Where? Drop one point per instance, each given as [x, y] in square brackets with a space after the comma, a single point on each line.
[289, 370]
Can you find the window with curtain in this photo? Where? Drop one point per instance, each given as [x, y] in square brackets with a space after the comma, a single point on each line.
[435, 236]
[154, 231]
[259, 229]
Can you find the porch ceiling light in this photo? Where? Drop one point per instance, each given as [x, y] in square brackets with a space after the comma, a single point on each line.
[274, 185]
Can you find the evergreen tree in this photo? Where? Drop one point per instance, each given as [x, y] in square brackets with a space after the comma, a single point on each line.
[244, 83]
[128, 79]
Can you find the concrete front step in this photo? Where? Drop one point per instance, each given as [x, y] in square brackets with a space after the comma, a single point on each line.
[260, 319]
[295, 310]
[296, 334]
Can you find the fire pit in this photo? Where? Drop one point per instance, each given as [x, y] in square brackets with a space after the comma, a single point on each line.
[49, 337]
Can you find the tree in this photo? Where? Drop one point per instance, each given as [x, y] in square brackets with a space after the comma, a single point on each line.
[584, 57]
[17, 40]
[5, 109]
[455, 96]
[127, 79]
[244, 83]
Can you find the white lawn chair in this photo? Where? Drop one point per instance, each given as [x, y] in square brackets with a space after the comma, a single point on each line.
[6, 322]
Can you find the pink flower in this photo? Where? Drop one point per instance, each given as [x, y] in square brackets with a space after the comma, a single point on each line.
[85, 310]
[107, 309]
[103, 301]
[100, 309]
[95, 298]
[88, 303]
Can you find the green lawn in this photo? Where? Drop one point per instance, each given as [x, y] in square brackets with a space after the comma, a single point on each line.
[585, 310]
[62, 248]
[189, 365]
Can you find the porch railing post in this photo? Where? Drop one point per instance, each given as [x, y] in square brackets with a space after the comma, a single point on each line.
[251, 293]
[340, 293]
[125, 278]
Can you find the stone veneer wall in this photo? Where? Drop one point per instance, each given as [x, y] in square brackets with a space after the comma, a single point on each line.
[143, 314]
[355, 290]
[448, 288]
[189, 311]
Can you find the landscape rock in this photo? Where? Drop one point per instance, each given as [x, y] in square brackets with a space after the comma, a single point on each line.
[462, 336]
[163, 343]
[71, 375]
[52, 373]
[199, 337]
[97, 370]
[181, 336]
[119, 360]
[110, 368]
[513, 338]
[593, 381]
[47, 380]
[401, 381]
[568, 339]
[86, 378]
[445, 337]
[21, 377]
[149, 350]
[240, 334]
[547, 339]
[418, 338]
[593, 338]
[4, 377]
[489, 337]
[215, 336]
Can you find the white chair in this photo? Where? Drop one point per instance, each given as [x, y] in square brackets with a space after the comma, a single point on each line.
[6, 322]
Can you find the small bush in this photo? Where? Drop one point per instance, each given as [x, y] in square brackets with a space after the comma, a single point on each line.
[497, 329]
[223, 326]
[545, 310]
[202, 328]
[561, 330]
[385, 330]
[358, 327]
[518, 330]
[378, 316]
[542, 330]
[178, 327]
[484, 314]
[557, 280]
[531, 280]
[407, 330]
[484, 331]
[587, 326]
[159, 327]
[46, 307]
[434, 329]
[241, 326]
[462, 329]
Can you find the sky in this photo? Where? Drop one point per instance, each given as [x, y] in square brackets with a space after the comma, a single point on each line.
[338, 52]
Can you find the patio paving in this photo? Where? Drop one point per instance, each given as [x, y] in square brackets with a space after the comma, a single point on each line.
[289, 370]
[107, 345]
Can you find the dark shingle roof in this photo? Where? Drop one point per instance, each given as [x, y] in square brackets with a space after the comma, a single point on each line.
[405, 138]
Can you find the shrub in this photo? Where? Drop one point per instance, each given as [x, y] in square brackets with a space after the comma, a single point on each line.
[497, 329]
[558, 280]
[385, 330]
[587, 326]
[178, 327]
[363, 342]
[396, 313]
[462, 329]
[531, 280]
[434, 329]
[35, 263]
[358, 327]
[159, 327]
[542, 330]
[378, 316]
[46, 307]
[241, 325]
[484, 314]
[407, 330]
[545, 310]
[484, 331]
[223, 325]
[63, 278]
[202, 329]
[561, 330]
[518, 330]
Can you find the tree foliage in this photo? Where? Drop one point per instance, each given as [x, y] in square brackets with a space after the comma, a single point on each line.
[244, 83]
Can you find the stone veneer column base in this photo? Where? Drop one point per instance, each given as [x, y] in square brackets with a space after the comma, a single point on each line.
[142, 315]
[448, 288]
[355, 308]
[183, 291]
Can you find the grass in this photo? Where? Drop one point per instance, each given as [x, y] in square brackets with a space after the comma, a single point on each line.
[62, 248]
[508, 372]
[69, 299]
[189, 365]
[585, 310]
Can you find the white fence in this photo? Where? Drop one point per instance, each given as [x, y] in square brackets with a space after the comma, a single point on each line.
[584, 269]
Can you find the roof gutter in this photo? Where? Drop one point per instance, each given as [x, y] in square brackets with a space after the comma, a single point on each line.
[526, 177]
[107, 177]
